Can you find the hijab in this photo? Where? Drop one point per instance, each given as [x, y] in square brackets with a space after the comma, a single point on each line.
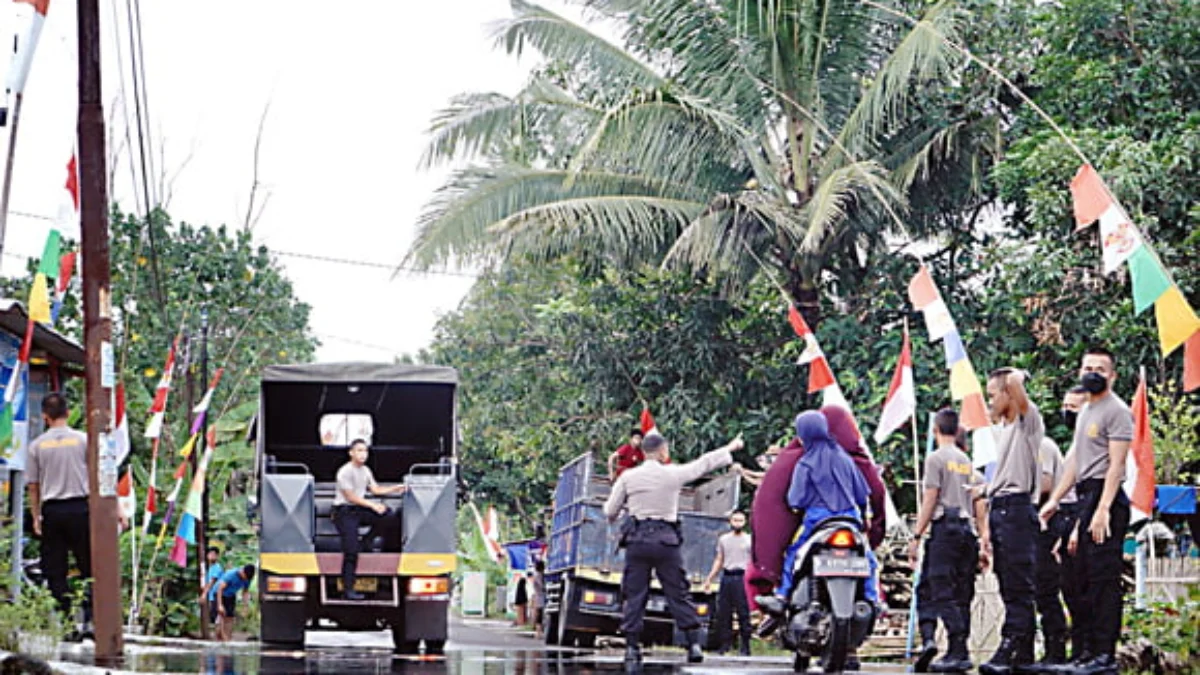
[825, 475]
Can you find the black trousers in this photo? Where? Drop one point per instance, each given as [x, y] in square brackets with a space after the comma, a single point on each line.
[348, 518]
[640, 558]
[947, 586]
[1048, 598]
[65, 527]
[1071, 582]
[1100, 568]
[1014, 525]
[731, 597]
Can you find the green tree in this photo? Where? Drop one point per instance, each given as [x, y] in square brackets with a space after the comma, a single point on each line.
[718, 135]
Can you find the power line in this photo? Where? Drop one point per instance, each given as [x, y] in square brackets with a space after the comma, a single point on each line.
[370, 264]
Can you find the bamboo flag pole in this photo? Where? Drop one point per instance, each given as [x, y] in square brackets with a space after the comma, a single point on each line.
[14, 120]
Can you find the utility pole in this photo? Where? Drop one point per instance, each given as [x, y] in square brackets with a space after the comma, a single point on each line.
[97, 335]
[202, 526]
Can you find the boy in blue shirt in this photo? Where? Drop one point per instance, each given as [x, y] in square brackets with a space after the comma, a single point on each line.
[211, 578]
[236, 579]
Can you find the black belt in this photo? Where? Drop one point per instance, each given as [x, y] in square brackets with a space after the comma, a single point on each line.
[68, 500]
[735, 573]
[1016, 499]
[1089, 486]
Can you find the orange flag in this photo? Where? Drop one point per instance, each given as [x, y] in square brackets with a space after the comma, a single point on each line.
[1140, 462]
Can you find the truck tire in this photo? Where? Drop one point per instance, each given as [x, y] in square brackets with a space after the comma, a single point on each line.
[435, 647]
[281, 623]
[586, 640]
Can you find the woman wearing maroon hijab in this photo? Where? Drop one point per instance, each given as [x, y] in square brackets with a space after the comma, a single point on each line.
[845, 432]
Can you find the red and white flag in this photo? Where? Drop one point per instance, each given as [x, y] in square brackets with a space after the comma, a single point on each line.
[901, 402]
[819, 374]
[158, 409]
[1139, 463]
[120, 424]
[22, 61]
[647, 423]
[126, 498]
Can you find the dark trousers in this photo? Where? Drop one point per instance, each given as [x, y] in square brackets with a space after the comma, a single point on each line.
[1100, 567]
[65, 527]
[665, 560]
[947, 585]
[731, 597]
[1048, 598]
[348, 518]
[1014, 525]
[1071, 582]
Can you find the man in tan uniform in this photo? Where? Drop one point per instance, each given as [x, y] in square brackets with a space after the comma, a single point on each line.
[652, 536]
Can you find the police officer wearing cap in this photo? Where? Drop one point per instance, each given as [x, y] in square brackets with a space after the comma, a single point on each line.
[652, 538]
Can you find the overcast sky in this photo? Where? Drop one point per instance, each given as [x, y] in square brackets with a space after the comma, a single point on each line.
[352, 88]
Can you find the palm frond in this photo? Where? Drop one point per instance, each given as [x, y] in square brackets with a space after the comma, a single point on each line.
[922, 55]
[473, 123]
[860, 183]
[937, 145]
[460, 221]
[560, 39]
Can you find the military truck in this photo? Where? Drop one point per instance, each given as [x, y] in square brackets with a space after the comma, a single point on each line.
[584, 563]
[308, 416]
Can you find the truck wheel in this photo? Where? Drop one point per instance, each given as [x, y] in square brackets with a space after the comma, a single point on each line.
[551, 628]
[399, 644]
[800, 663]
[437, 647]
[586, 640]
[281, 623]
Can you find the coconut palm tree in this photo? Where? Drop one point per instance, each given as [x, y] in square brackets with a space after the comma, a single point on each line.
[727, 136]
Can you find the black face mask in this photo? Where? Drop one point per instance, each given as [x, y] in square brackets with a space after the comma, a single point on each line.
[1069, 417]
[1094, 383]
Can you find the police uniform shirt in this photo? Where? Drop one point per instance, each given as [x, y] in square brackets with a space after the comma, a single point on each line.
[1017, 450]
[58, 464]
[1108, 419]
[735, 551]
[949, 472]
[651, 491]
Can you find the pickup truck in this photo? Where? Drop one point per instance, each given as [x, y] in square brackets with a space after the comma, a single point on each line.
[584, 563]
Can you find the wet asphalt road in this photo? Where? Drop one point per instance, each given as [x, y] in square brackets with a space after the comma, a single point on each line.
[475, 648]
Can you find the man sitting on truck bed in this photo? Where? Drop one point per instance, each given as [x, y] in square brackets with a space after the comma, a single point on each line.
[627, 456]
[351, 509]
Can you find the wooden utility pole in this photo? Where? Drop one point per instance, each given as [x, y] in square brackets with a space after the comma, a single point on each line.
[97, 335]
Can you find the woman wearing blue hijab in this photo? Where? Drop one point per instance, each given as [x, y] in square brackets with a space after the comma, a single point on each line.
[825, 483]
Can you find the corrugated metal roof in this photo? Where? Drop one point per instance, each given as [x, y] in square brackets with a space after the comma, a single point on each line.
[14, 319]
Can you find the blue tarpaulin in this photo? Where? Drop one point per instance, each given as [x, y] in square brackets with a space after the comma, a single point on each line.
[1177, 500]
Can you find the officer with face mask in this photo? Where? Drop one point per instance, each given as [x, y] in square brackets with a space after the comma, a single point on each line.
[1096, 468]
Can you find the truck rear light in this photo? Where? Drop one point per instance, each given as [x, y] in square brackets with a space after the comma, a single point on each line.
[428, 585]
[287, 585]
[598, 598]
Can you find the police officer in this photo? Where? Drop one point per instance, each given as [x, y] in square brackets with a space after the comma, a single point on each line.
[1048, 598]
[58, 498]
[947, 584]
[652, 538]
[1096, 467]
[1065, 524]
[1013, 521]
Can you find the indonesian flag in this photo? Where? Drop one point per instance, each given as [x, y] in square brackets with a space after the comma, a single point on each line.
[819, 374]
[901, 402]
[490, 531]
[1139, 463]
[158, 408]
[126, 498]
[121, 424]
[18, 71]
[647, 422]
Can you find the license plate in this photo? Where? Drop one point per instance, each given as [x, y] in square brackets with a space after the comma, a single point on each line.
[367, 585]
[831, 566]
[656, 604]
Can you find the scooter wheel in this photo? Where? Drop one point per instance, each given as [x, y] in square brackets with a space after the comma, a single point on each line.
[800, 664]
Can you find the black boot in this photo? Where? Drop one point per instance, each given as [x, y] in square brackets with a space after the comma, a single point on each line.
[925, 655]
[694, 653]
[770, 604]
[1013, 652]
[1056, 655]
[633, 655]
[1105, 664]
[348, 591]
[957, 658]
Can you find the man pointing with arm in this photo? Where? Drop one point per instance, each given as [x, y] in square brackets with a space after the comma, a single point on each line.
[652, 538]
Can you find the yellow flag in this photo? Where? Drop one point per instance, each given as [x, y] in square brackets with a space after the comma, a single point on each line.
[1176, 319]
[186, 450]
[39, 300]
[963, 380]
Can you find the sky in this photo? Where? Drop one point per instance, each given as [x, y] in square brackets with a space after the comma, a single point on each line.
[351, 88]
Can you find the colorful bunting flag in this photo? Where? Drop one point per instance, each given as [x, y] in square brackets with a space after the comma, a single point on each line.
[126, 497]
[23, 60]
[819, 374]
[193, 510]
[1121, 242]
[901, 402]
[120, 424]
[1191, 362]
[158, 409]
[964, 383]
[1139, 463]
